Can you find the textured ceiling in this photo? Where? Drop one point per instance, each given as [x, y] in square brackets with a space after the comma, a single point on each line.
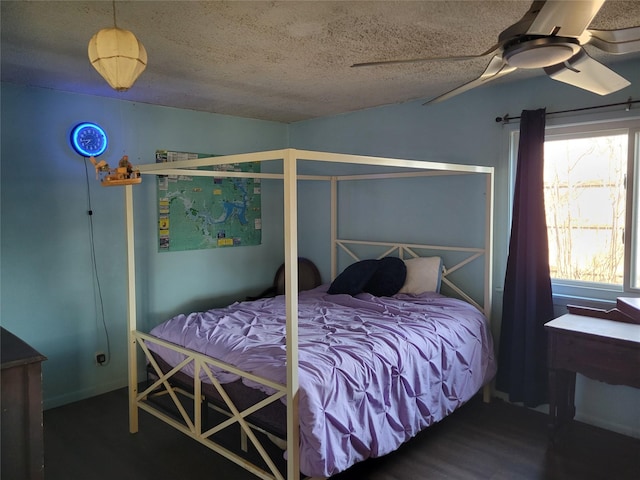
[284, 61]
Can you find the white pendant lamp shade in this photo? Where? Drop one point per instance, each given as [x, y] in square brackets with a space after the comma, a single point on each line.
[118, 56]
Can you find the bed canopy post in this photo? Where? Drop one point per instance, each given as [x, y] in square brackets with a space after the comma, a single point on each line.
[131, 311]
[488, 263]
[334, 227]
[291, 292]
[488, 245]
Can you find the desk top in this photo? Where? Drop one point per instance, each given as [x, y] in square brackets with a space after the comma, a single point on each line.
[597, 326]
[16, 352]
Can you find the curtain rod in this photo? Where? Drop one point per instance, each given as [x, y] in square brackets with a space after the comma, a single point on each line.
[506, 118]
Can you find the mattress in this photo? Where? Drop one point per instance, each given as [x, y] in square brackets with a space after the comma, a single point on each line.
[373, 371]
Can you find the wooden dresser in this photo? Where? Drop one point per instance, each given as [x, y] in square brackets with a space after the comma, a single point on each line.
[602, 345]
[21, 401]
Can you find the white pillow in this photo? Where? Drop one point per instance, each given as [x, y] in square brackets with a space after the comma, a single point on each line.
[423, 275]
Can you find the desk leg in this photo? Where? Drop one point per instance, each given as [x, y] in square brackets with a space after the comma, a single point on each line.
[562, 387]
[566, 398]
[553, 403]
[571, 395]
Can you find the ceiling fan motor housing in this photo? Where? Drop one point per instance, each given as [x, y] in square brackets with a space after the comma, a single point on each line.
[540, 51]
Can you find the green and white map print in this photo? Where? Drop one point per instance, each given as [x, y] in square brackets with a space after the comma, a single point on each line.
[207, 212]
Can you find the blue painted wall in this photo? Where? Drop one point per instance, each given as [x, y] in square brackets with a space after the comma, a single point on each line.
[463, 130]
[48, 294]
[46, 276]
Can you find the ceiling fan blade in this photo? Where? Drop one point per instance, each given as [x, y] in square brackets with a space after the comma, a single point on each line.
[584, 72]
[497, 68]
[625, 40]
[492, 50]
[521, 26]
[564, 19]
[621, 35]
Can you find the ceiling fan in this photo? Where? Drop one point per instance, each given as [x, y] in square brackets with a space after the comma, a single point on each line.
[550, 36]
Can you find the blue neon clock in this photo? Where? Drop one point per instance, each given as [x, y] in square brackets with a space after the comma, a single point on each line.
[89, 139]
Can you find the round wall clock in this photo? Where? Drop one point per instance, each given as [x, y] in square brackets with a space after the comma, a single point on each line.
[88, 139]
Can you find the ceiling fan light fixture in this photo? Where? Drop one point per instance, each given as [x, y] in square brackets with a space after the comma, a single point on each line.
[541, 52]
[118, 56]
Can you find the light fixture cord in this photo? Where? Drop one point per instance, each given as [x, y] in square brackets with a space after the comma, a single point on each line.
[114, 14]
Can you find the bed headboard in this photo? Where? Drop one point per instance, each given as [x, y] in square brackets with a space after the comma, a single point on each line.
[463, 274]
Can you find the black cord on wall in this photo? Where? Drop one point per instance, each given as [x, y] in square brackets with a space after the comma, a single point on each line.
[94, 266]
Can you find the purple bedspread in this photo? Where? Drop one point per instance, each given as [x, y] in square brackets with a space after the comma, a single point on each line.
[373, 371]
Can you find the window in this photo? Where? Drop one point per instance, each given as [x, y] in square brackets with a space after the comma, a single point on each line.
[585, 202]
[592, 208]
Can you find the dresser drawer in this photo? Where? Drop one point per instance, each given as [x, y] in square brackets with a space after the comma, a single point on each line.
[600, 359]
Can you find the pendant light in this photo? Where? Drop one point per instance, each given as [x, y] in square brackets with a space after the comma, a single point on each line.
[117, 55]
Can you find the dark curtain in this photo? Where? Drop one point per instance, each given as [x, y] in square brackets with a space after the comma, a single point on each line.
[527, 303]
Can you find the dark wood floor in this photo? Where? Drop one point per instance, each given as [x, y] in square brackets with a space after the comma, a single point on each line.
[90, 440]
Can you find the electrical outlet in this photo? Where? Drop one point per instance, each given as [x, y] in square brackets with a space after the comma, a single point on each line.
[101, 358]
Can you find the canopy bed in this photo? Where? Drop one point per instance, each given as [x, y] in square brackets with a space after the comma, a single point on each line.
[338, 373]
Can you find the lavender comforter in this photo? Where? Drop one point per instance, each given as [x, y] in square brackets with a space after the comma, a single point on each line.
[373, 371]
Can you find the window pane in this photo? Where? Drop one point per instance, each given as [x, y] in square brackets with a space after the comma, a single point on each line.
[584, 182]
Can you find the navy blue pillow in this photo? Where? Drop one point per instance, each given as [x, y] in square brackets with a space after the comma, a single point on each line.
[388, 278]
[354, 278]
[382, 278]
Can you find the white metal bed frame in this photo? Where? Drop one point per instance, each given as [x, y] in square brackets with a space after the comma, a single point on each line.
[192, 425]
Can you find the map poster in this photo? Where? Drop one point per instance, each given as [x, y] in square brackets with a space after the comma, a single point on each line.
[197, 212]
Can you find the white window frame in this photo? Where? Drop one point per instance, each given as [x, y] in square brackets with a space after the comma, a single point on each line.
[587, 292]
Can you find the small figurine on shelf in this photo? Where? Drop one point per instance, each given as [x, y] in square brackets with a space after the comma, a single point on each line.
[124, 174]
[102, 167]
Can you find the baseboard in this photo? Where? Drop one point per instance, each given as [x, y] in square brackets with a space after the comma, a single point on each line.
[83, 394]
[594, 420]
[600, 422]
